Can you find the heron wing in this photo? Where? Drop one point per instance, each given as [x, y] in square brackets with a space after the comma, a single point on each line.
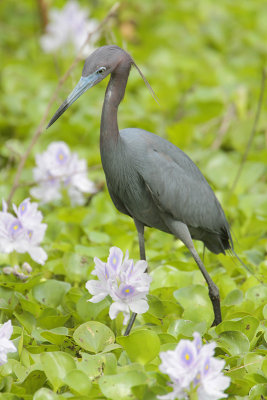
[177, 186]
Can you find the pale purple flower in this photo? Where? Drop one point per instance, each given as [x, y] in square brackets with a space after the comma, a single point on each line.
[6, 345]
[58, 168]
[212, 381]
[19, 272]
[23, 233]
[127, 284]
[193, 366]
[69, 26]
[26, 267]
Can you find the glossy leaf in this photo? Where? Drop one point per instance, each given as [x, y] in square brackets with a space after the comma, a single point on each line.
[233, 342]
[118, 387]
[56, 366]
[196, 303]
[142, 346]
[93, 336]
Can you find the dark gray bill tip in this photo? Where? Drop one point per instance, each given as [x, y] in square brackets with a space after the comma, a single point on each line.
[58, 113]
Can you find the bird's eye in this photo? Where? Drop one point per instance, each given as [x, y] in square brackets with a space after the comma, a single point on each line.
[101, 70]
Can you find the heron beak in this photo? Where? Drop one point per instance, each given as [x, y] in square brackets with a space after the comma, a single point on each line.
[85, 83]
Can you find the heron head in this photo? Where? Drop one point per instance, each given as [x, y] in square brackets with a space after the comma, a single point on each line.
[97, 66]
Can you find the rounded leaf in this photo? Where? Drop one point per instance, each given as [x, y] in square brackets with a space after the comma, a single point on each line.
[142, 346]
[118, 387]
[45, 394]
[248, 325]
[234, 297]
[93, 336]
[258, 392]
[233, 342]
[78, 381]
[258, 294]
[56, 366]
[196, 303]
[51, 292]
[183, 328]
[253, 362]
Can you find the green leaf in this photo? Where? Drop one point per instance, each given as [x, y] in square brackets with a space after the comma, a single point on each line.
[55, 336]
[142, 346]
[258, 392]
[45, 394]
[196, 303]
[165, 276]
[95, 365]
[161, 309]
[258, 294]
[87, 310]
[76, 267]
[233, 342]
[264, 368]
[51, 292]
[253, 362]
[78, 381]
[118, 387]
[248, 325]
[234, 297]
[93, 336]
[51, 318]
[97, 237]
[56, 366]
[27, 320]
[184, 328]
[34, 381]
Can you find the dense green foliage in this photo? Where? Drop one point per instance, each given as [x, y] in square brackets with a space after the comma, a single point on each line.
[204, 61]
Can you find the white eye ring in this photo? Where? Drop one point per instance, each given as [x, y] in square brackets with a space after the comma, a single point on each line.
[101, 70]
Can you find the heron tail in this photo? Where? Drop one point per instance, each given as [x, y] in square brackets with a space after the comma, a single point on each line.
[250, 270]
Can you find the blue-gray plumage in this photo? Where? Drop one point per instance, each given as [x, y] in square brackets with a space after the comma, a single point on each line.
[149, 178]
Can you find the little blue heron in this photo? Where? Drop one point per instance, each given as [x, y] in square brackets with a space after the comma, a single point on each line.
[149, 178]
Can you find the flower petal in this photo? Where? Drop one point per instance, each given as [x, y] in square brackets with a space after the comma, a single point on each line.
[38, 254]
[6, 330]
[139, 306]
[98, 297]
[118, 307]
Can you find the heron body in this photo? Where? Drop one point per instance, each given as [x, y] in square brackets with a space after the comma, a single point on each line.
[159, 184]
[149, 178]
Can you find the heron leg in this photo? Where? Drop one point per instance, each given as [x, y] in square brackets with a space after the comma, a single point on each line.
[140, 230]
[181, 231]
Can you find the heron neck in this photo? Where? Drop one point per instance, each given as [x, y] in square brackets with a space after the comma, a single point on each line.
[109, 131]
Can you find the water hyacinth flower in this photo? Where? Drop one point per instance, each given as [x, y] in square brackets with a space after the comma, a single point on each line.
[58, 168]
[192, 366]
[127, 284]
[6, 345]
[21, 273]
[24, 232]
[69, 26]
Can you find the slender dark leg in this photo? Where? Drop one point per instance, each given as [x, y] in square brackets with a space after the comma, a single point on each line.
[140, 230]
[181, 232]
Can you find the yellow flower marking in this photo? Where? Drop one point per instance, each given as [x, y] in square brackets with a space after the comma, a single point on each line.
[187, 357]
[61, 156]
[15, 227]
[23, 208]
[207, 367]
[114, 260]
[127, 290]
